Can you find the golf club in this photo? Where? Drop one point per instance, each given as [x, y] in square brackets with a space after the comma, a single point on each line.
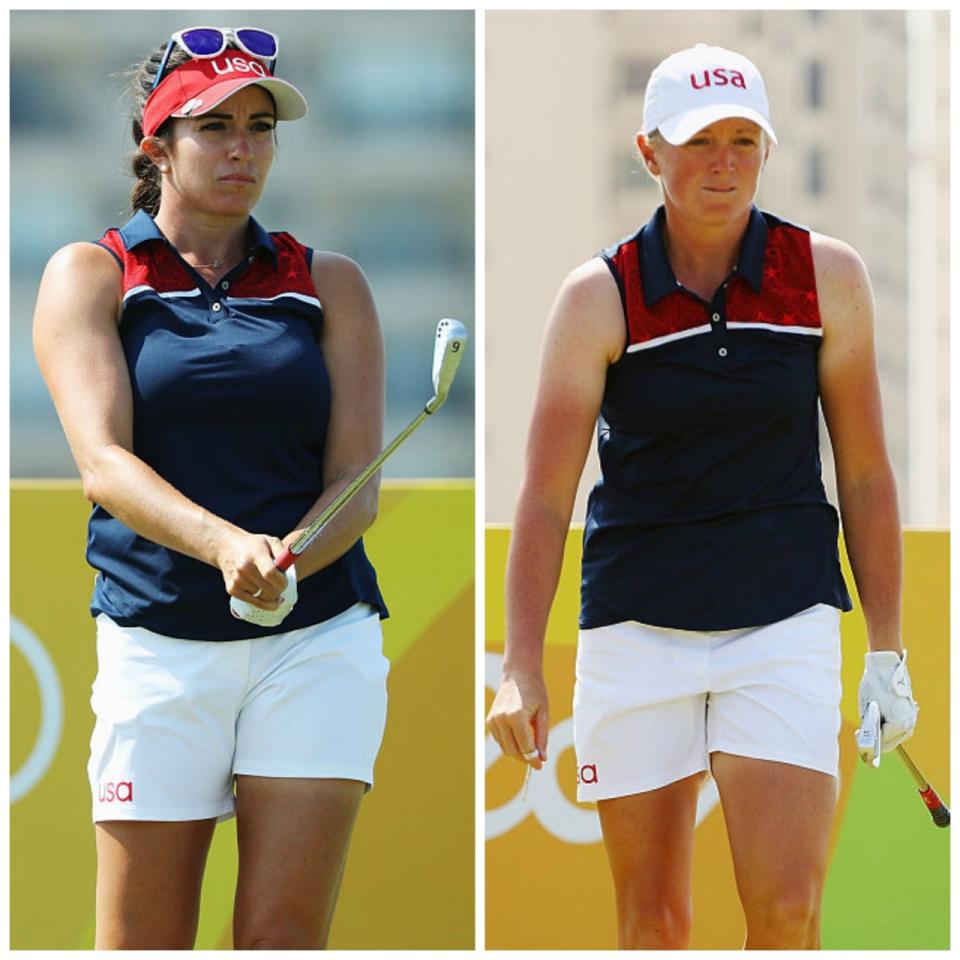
[448, 351]
[869, 748]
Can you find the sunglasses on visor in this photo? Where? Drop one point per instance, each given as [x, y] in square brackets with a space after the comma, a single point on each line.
[205, 43]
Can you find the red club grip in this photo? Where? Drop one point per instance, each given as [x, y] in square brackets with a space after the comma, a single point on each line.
[939, 812]
[286, 559]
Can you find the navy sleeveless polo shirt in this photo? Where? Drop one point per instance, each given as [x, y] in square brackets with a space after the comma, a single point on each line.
[710, 513]
[231, 400]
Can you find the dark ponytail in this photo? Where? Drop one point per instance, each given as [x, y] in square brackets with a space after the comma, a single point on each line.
[146, 192]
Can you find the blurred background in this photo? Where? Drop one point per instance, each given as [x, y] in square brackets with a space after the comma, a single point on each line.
[381, 169]
[860, 103]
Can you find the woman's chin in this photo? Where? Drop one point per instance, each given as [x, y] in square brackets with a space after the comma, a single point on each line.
[718, 207]
[231, 206]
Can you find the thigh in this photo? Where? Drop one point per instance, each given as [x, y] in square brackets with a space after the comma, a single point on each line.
[779, 820]
[148, 883]
[649, 843]
[292, 836]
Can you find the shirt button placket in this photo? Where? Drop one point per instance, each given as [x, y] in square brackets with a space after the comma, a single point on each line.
[715, 321]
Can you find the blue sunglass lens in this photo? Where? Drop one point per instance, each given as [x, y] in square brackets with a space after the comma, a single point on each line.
[258, 42]
[202, 43]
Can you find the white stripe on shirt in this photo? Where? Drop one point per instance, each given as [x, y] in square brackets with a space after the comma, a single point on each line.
[296, 296]
[195, 292]
[656, 341]
[775, 327]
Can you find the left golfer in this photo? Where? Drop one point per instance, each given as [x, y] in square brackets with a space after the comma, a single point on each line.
[179, 350]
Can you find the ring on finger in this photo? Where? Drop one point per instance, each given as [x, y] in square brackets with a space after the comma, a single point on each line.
[257, 594]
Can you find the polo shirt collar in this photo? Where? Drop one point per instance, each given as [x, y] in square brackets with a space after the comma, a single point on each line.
[141, 227]
[262, 240]
[750, 264]
[657, 274]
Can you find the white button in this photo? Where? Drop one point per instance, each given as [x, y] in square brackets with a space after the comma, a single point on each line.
[224, 285]
[722, 351]
[716, 318]
[216, 308]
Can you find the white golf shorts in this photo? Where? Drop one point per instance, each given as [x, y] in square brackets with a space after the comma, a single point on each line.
[177, 719]
[651, 704]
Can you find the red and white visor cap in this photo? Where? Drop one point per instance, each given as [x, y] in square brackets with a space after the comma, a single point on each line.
[197, 86]
[694, 88]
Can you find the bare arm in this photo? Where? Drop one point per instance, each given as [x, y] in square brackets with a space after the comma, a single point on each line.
[850, 394]
[81, 358]
[353, 350]
[585, 333]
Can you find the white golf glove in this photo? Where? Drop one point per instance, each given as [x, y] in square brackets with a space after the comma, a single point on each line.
[886, 702]
[268, 618]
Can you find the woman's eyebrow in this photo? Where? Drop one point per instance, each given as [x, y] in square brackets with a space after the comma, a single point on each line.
[229, 116]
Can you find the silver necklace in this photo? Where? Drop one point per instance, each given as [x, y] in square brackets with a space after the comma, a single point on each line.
[216, 264]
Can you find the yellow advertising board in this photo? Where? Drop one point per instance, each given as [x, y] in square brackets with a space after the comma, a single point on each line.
[547, 881]
[412, 858]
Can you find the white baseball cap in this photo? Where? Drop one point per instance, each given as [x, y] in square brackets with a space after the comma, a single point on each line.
[694, 88]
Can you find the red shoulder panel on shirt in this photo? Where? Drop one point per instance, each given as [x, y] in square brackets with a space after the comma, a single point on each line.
[149, 265]
[788, 289]
[292, 275]
[787, 296]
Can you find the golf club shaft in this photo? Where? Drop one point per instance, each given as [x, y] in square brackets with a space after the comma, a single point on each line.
[918, 777]
[290, 554]
[938, 809]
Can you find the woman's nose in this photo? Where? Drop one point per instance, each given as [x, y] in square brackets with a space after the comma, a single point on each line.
[723, 158]
[239, 145]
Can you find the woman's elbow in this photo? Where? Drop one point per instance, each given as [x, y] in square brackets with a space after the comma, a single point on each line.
[94, 475]
[91, 481]
[874, 489]
[90, 486]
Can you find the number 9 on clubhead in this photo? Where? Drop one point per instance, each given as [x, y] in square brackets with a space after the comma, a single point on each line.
[447, 354]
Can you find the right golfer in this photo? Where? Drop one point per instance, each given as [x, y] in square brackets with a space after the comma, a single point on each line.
[711, 586]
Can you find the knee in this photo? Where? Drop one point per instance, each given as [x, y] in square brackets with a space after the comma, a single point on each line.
[657, 925]
[279, 935]
[789, 918]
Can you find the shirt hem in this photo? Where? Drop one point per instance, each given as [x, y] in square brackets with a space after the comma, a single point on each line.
[256, 633]
[704, 626]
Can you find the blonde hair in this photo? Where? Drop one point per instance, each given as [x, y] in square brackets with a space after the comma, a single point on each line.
[654, 138]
